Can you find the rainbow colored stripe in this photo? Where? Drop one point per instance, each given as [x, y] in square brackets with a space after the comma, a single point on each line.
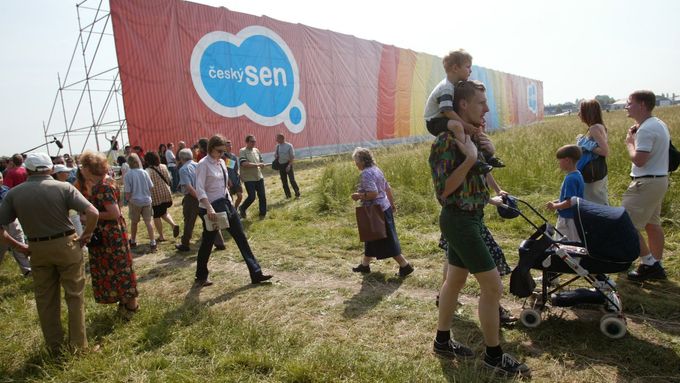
[413, 75]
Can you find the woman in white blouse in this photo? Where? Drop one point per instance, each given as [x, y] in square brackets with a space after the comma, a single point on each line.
[213, 196]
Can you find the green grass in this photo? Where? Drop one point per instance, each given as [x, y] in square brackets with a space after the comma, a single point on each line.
[319, 322]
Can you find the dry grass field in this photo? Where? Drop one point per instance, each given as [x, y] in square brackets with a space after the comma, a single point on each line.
[319, 322]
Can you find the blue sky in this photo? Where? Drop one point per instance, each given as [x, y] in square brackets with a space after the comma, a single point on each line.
[578, 49]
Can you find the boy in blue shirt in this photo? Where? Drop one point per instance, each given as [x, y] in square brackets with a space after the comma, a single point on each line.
[572, 186]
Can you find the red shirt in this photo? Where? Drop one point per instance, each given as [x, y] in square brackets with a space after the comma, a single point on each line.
[15, 176]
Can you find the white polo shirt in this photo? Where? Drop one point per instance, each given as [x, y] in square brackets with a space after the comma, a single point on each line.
[652, 137]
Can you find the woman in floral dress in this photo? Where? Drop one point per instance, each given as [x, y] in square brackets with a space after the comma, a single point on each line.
[113, 278]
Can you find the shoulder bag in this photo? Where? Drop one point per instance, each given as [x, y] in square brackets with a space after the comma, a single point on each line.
[275, 164]
[161, 175]
[371, 223]
[595, 170]
[673, 157]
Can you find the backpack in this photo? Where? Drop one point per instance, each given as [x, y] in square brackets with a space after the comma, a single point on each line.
[673, 158]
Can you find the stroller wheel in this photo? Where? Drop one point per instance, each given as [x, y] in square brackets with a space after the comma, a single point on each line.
[613, 326]
[530, 318]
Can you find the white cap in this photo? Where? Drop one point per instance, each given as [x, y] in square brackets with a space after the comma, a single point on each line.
[59, 168]
[38, 162]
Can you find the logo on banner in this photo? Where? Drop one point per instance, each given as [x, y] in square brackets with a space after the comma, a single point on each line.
[532, 98]
[252, 74]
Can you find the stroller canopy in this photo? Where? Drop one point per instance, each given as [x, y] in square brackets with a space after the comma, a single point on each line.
[607, 232]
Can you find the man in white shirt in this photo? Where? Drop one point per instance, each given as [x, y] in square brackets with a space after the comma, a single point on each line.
[172, 166]
[285, 154]
[647, 143]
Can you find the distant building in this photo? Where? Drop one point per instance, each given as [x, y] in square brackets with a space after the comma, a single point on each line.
[618, 105]
[663, 101]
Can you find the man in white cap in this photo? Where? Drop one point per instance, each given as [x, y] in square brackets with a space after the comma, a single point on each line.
[42, 204]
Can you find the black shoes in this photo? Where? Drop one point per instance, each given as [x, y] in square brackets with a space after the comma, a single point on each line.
[220, 248]
[175, 231]
[452, 349]
[404, 271]
[507, 365]
[182, 248]
[242, 212]
[506, 316]
[645, 272]
[363, 269]
[495, 162]
[481, 168]
[258, 278]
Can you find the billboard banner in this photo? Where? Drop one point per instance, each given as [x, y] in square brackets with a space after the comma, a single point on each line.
[190, 71]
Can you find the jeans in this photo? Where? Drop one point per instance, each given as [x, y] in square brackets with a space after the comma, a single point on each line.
[174, 172]
[236, 231]
[284, 180]
[253, 187]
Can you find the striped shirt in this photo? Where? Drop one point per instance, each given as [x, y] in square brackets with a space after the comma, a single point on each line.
[440, 100]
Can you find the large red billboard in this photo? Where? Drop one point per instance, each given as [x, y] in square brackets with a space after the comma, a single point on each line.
[190, 71]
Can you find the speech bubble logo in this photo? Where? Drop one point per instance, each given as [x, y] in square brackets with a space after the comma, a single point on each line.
[252, 74]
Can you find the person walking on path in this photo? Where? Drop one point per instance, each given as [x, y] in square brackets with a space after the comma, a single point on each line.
[212, 190]
[285, 155]
[251, 175]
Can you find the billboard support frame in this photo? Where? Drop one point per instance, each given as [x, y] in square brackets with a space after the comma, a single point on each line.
[86, 107]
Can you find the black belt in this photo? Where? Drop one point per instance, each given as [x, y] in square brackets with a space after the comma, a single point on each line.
[647, 176]
[54, 236]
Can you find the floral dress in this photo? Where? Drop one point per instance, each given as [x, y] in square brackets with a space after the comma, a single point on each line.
[111, 262]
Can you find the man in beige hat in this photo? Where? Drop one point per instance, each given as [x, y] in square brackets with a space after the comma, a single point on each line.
[42, 204]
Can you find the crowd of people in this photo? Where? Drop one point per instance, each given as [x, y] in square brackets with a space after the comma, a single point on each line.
[52, 207]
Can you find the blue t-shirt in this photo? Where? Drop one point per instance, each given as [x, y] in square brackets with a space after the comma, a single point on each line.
[138, 183]
[187, 176]
[572, 186]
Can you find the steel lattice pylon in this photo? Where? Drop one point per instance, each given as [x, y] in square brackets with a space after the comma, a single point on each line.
[91, 112]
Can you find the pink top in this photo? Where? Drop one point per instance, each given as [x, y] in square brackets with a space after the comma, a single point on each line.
[211, 180]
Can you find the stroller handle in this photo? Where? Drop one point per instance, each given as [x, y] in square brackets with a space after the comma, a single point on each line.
[537, 227]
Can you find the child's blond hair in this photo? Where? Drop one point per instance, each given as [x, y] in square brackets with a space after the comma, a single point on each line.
[459, 57]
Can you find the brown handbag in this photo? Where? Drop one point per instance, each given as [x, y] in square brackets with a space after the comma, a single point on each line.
[371, 223]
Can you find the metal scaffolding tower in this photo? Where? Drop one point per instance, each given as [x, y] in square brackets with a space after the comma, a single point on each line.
[89, 98]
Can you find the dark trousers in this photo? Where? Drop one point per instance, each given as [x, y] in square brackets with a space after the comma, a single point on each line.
[236, 231]
[190, 212]
[174, 172]
[284, 180]
[253, 187]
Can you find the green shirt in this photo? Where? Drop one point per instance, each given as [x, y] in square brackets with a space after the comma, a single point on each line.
[473, 193]
[249, 174]
[42, 205]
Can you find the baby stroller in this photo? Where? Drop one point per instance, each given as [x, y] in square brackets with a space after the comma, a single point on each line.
[609, 244]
